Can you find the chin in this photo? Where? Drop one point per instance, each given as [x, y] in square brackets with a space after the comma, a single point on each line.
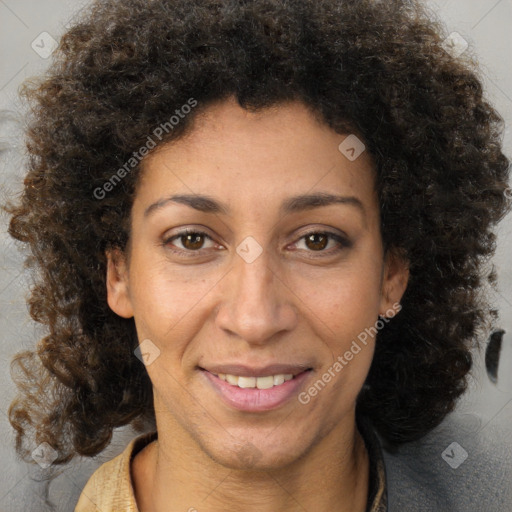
[248, 455]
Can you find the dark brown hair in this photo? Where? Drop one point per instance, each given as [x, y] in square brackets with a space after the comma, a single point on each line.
[376, 68]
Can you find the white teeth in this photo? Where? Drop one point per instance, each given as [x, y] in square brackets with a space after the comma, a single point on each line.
[278, 379]
[246, 382]
[232, 379]
[255, 382]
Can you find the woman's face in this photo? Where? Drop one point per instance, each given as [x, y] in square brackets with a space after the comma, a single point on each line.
[253, 285]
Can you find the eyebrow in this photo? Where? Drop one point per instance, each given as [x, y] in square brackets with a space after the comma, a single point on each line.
[293, 204]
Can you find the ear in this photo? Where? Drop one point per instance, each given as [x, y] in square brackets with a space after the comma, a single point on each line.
[394, 282]
[118, 296]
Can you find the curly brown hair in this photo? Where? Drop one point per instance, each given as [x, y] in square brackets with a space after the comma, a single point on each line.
[363, 66]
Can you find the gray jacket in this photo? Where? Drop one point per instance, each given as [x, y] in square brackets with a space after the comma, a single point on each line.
[464, 465]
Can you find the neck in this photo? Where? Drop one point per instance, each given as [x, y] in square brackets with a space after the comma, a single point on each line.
[174, 473]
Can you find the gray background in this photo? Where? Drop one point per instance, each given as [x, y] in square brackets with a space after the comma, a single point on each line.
[484, 24]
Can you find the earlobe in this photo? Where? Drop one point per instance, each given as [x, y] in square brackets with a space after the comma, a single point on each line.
[394, 284]
[118, 296]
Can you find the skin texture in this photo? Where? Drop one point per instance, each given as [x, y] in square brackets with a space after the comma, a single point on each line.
[378, 69]
[290, 305]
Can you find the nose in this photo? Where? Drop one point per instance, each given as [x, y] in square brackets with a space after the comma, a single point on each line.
[256, 301]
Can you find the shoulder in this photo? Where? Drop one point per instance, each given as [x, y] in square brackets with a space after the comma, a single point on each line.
[464, 465]
[110, 486]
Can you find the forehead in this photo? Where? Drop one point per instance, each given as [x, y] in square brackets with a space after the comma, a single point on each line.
[249, 157]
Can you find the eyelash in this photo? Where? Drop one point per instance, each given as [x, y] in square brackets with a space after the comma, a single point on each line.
[343, 242]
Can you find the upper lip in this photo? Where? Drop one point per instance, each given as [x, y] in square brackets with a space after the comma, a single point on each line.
[262, 371]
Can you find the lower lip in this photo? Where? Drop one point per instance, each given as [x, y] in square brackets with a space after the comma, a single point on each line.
[254, 399]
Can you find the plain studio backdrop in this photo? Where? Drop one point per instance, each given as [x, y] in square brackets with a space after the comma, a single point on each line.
[28, 31]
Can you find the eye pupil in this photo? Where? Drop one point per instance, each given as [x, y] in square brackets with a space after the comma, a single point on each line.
[312, 237]
[194, 238]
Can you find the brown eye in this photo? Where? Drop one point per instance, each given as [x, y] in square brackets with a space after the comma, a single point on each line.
[316, 241]
[191, 242]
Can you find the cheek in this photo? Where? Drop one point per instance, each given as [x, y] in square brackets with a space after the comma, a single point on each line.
[163, 297]
[344, 301]
[342, 309]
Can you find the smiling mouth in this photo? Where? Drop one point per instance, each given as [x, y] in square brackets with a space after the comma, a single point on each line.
[257, 394]
[263, 382]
